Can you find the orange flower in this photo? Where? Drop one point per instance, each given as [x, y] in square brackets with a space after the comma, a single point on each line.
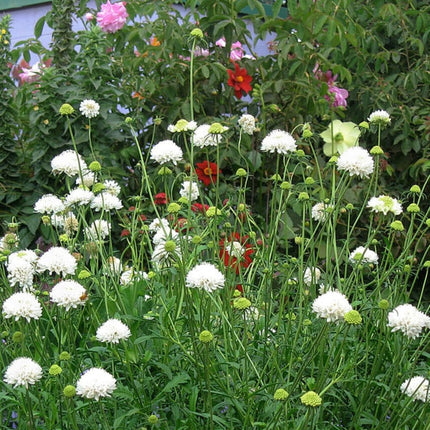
[154, 41]
[239, 80]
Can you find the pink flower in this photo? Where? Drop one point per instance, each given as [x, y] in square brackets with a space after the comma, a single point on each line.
[220, 42]
[236, 51]
[200, 52]
[340, 96]
[89, 16]
[112, 17]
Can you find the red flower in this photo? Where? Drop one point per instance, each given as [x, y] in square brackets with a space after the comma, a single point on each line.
[160, 199]
[239, 80]
[198, 207]
[125, 232]
[207, 172]
[236, 251]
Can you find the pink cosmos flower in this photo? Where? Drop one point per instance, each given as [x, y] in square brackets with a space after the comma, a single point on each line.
[112, 17]
[236, 51]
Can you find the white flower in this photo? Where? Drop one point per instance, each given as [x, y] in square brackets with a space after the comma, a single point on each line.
[68, 294]
[67, 221]
[247, 122]
[379, 117]
[95, 383]
[87, 180]
[331, 305]
[278, 141]
[22, 305]
[57, 260]
[363, 256]
[24, 254]
[202, 137]
[417, 388]
[112, 187]
[162, 235]
[181, 126]
[114, 266]
[129, 276]
[159, 223]
[23, 371]
[21, 272]
[166, 252]
[113, 331]
[311, 276]
[99, 229]
[205, 276]
[385, 204]
[166, 151]
[49, 204]
[356, 161]
[189, 190]
[68, 162]
[79, 196]
[409, 320]
[106, 201]
[89, 108]
[320, 211]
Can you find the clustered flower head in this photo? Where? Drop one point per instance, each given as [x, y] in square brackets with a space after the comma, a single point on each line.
[385, 204]
[279, 141]
[320, 211]
[99, 229]
[78, 196]
[106, 201]
[417, 388]
[189, 190]
[182, 125]
[311, 398]
[57, 260]
[23, 371]
[21, 266]
[247, 122]
[380, 117]
[89, 108]
[332, 306]
[68, 162]
[356, 161]
[113, 330]
[166, 151]
[22, 305]
[363, 255]
[68, 294]
[49, 204]
[409, 320]
[205, 276]
[112, 17]
[202, 137]
[95, 383]
[311, 276]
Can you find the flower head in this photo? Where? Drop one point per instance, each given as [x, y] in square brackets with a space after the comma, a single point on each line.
[89, 108]
[22, 305]
[182, 125]
[206, 336]
[247, 122]
[23, 371]
[236, 52]
[239, 80]
[106, 201]
[280, 394]
[331, 305]
[311, 276]
[385, 204]
[236, 251]
[320, 211]
[113, 330]
[95, 383]
[112, 17]
[417, 388]
[409, 320]
[57, 260]
[189, 190]
[353, 317]
[166, 151]
[337, 95]
[99, 229]
[78, 196]
[49, 204]
[202, 137]
[339, 137]
[356, 161]
[68, 294]
[278, 141]
[380, 117]
[363, 255]
[68, 162]
[21, 272]
[207, 172]
[205, 276]
[311, 398]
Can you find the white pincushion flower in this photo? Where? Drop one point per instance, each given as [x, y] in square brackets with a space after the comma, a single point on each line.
[22, 305]
[87, 179]
[189, 190]
[385, 204]
[21, 272]
[112, 187]
[49, 204]
[181, 126]
[89, 108]
[247, 122]
[57, 260]
[409, 320]
[363, 256]
[205, 276]
[68, 294]
[106, 201]
[113, 330]
[99, 229]
[166, 251]
[24, 254]
[311, 276]
[379, 117]
[95, 383]
[159, 223]
[114, 266]
[202, 137]
[166, 151]
[79, 196]
[68, 162]
[278, 141]
[66, 221]
[162, 235]
[130, 275]
[417, 388]
[320, 211]
[23, 371]
[356, 161]
[332, 306]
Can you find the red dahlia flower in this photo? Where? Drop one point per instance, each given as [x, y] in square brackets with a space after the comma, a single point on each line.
[236, 251]
[160, 199]
[207, 172]
[239, 80]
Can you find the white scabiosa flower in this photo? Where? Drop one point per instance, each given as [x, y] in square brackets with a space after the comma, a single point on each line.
[311, 276]
[106, 201]
[159, 223]
[57, 260]
[363, 256]
[166, 151]
[332, 306]
[181, 126]
[68, 294]
[379, 117]
[89, 108]
[20, 272]
[409, 320]
[205, 276]
[95, 383]
[166, 252]
[68, 221]
[279, 141]
[87, 179]
[69, 163]
[320, 211]
[49, 204]
[24, 254]
[99, 229]
[385, 204]
[202, 137]
[130, 275]
[79, 197]
[417, 388]
[114, 266]
[22, 305]
[356, 161]
[112, 187]
[112, 331]
[23, 371]
[189, 190]
[247, 122]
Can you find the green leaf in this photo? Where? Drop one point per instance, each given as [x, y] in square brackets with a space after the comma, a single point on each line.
[38, 28]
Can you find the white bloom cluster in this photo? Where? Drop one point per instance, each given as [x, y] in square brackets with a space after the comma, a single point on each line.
[78, 196]
[112, 187]
[166, 151]
[311, 276]
[49, 204]
[23, 371]
[114, 266]
[106, 201]
[67, 221]
[332, 306]
[98, 230]
[418, 388]
[113, 330]
[22, 305]
[385, 204]
[68, 294]
[247, 122]
[130, 275]
[21, 268]
[89, 108]
[189, 190]
[159, 224]
[379, 117]
[356, 161]
[205, 276]
[363, 256]
[95, 383]
[68, 162]
[278, 141]
[87, 179]
[202, 137]
[182, 125]
[409, 320]
[57, 260]
[320, 211]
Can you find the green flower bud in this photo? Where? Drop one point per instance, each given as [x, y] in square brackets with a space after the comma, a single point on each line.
[376, 150]
[173, 208]
[128, 120]
[55, 370]
[164, 171]
[69, 391]
[197, 33]
[84, 274]
[241, 172]
[309, 181]
[300, 153]
[286, 185]
[280, 394]
[153, 419]
[383, 304]
[276, 177]
[46, 220]
[206, 336]
[364, 124]
[397, 225]
[303, 196]
[353, 317]
[97, 188]
[18, 337]
[311, 399]
[415, 189]
[241, 303]
[95, 166]
[196, 240]
[217, 128]
[64, 356]
[66, 109]
[170, 246]
[413, 208]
